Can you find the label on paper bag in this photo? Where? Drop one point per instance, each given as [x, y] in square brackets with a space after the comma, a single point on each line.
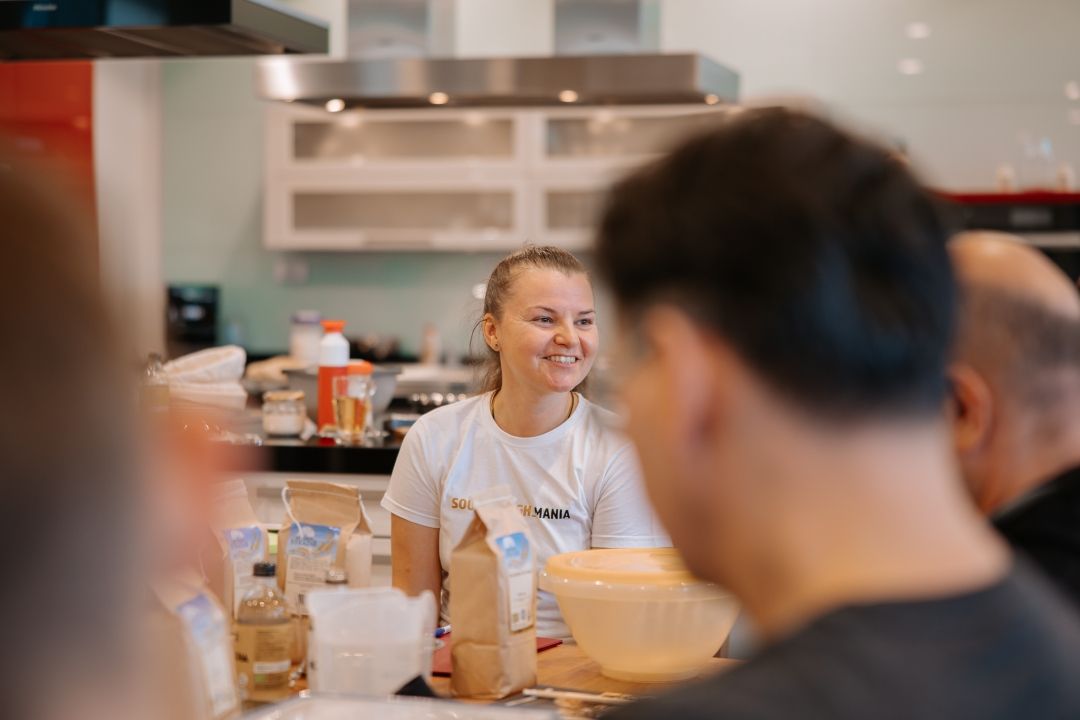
[311, 551]
[247, 546]
[210, 636]
[517, 561]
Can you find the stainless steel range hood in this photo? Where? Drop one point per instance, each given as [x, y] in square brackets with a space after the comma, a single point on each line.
[490, 82]
[89, 29]
[600, 52]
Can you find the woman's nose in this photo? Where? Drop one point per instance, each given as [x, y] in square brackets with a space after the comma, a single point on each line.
[566, 335]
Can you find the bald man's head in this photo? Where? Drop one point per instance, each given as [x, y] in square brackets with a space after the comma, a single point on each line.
[1020, 315]
[1005, 263]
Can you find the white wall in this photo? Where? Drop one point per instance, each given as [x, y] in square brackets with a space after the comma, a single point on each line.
[128, 176]
[994, 70]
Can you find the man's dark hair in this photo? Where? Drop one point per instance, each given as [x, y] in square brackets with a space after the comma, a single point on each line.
[815, 254]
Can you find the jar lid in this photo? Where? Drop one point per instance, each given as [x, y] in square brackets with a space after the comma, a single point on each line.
[306, 317]
[360, 367]
[264, 569]
[283, 396]
[336, 576]
[630, 566]
[331, 326]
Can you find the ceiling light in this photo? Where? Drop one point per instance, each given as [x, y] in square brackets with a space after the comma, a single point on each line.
[568, 96]
[910, 66]
[711, 99]
[438, 98]
[335, 105]
[1072, 90]
[918, 30]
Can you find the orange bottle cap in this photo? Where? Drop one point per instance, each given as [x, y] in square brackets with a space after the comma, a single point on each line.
[360, 367]
[333, 325]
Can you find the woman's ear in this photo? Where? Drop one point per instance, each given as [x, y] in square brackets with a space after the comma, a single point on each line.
[971, 409]
[491, 331]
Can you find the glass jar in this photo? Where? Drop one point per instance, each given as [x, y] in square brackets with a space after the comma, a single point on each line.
[283, 413]
[352, 403]
[305, 334]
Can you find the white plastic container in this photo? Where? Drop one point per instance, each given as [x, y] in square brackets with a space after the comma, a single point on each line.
[639, 613]
[370, 641]
[305, 336]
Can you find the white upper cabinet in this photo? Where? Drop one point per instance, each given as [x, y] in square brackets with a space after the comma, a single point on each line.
[446, 179]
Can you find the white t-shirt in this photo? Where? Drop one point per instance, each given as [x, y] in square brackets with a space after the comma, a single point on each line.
[579, 485]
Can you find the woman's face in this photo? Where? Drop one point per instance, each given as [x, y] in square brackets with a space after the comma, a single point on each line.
[546, 336]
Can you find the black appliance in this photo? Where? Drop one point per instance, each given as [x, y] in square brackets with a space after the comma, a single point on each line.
[89, 29]
[192, 318]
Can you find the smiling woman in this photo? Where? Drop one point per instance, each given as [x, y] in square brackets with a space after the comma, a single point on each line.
[571, 475]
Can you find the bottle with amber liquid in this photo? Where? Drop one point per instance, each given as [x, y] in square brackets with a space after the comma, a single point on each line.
[264, 637]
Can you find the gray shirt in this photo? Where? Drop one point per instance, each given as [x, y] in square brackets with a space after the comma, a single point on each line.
[1011, 650]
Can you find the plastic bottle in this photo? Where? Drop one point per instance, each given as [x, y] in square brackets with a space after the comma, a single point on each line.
[264, 636]
[333, 361]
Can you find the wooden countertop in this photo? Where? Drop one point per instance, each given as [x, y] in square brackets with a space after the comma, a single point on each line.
[566, 666]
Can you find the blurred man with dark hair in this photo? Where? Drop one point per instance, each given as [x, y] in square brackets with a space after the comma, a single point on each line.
[788, 299]
[1015, 383]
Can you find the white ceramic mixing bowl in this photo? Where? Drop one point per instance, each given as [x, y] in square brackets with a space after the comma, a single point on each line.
[639, 613]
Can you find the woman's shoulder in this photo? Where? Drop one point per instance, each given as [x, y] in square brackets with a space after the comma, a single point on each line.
[603, 427]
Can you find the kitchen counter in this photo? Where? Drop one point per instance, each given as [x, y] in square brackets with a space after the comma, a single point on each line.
[313, 456]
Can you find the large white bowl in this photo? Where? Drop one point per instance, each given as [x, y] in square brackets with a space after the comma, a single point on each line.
[639, 613]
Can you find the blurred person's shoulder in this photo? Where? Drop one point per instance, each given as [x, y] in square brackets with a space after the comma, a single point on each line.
[1011, 650]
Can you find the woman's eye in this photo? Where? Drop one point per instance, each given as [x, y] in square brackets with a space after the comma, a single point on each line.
[543, 319]
[585, 322]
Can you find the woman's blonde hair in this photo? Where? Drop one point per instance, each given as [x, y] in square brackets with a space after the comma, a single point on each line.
[500, 285]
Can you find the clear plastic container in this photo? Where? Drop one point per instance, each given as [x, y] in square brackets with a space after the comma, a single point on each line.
[639, 613]
[370, 641]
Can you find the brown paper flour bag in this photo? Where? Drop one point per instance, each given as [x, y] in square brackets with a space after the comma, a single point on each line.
[190, 634]
[242, 540]
[321, 518]
[493, 602]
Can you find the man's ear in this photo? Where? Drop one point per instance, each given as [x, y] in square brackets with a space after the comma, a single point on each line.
[683, 360]
[971, 408]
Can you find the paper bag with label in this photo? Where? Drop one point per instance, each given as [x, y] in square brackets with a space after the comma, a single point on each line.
[493, 603]
[326, 528]
[242, 539]
[190, 634]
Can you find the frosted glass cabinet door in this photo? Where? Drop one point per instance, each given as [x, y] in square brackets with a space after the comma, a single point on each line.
[403, 210]
[355, 139]
[606, 134]
[572, 209]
